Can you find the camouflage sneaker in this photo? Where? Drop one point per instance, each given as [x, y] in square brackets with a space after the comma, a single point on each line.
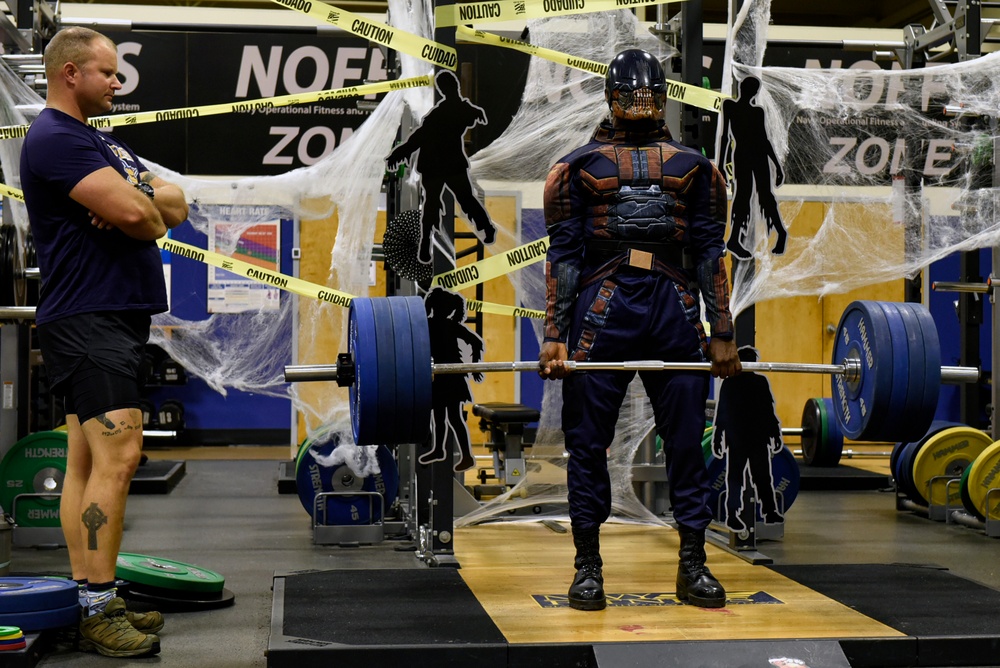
[145, 622]
[109, 633]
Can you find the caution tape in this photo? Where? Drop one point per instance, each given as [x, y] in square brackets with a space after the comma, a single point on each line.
[515, 10]
[257, 273]
[696, 96]
[493, 267]
[523, 256]
[13, 193]
[305, 288]
[258, 106]
[374, 31]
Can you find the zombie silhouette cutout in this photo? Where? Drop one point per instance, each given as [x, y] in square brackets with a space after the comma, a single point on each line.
[436, 149]
[747, 427]
[745, 143]
[445, 317]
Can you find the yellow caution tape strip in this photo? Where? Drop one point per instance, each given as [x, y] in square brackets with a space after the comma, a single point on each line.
[305, 288]
[258, 106]
[13, 193]
[256, 273]
[493, 267]
[380, 33]
[515, 10]
[514, 259]
[695, 96]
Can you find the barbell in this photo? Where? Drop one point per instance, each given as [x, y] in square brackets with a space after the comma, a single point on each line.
[886, 374]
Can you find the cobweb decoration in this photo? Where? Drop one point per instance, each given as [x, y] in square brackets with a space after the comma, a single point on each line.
[871, 232]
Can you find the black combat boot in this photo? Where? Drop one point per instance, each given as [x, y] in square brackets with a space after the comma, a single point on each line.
[695, 583]
[587, 590]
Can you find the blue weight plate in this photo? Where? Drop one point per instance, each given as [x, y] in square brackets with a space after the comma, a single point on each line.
[406, 391]
[904, 468]
[902, 359]
[385, 351]
[913, 424]
[422, 376]
[28, 594]
[314, 475]
[364, 391]
[41, 620]
[936, 426]
[932, 361]
[860, 407]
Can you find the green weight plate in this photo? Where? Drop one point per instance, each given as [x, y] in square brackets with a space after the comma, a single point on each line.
[34, 465]
[963, 491]
[947, 453]
[7, 632]
[166, 574]
[984, 475]
[822, 440]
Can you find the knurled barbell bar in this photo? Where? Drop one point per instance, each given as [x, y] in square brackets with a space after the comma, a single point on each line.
[885, 385]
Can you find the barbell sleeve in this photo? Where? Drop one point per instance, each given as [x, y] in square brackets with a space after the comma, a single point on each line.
[951, 286]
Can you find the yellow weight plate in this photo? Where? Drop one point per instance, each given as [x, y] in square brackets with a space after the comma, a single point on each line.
[946, 453]
[984, 474]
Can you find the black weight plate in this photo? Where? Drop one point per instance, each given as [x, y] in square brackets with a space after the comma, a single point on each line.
[29, 594]
[41, 620]
[163, 602]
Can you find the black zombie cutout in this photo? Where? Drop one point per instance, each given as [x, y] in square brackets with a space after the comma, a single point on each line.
[445, 318]
[745, 143]
[436, 150]
[747, 429]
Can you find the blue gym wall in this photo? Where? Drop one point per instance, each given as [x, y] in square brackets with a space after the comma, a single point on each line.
[210, 418]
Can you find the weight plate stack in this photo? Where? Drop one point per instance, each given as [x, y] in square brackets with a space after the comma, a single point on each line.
[945, 454]
[38, 603]
[313, 476]
[34, 465]
[171, 585]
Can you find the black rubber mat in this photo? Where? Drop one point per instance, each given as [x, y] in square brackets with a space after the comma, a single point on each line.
[915, 600]
[386, 607]
[841, 477]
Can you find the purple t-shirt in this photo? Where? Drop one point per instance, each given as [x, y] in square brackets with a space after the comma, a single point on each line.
[83, 269]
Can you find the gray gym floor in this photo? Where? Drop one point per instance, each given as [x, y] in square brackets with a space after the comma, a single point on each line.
[228, 516]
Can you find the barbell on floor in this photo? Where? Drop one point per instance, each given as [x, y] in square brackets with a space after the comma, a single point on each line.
[885, 385]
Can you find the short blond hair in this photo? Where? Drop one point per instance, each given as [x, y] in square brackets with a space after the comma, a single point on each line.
[71, 45]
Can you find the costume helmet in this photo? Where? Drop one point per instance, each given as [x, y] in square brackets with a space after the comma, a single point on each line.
[635, 87]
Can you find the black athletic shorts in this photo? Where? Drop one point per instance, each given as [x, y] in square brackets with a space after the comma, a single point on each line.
[94, 360]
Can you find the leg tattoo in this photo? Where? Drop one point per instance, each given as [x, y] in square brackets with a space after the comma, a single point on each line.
[103, 419]
[93, 518]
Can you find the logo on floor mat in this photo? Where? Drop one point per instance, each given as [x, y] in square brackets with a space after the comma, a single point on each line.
[657, 599]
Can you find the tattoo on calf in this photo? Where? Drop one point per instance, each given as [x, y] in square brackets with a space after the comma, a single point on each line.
[93, 518]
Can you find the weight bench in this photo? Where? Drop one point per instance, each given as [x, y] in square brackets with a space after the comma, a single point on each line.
[505, 425]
